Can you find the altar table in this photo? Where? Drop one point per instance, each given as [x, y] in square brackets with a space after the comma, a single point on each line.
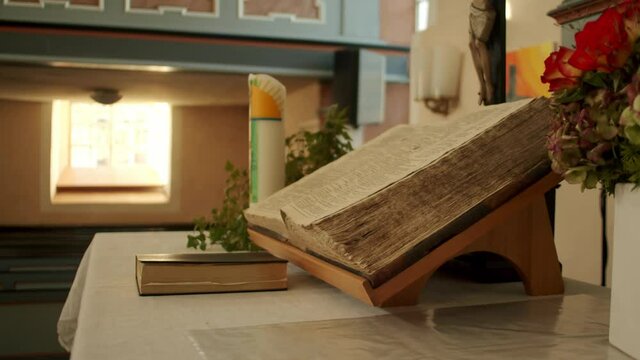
[105, 318]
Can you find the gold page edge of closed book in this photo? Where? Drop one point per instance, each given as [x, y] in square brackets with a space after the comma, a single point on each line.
[151, 287]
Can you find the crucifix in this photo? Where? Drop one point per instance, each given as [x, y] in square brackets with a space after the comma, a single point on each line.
[487, 44]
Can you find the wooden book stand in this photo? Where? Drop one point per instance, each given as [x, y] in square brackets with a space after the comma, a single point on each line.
[519, 230]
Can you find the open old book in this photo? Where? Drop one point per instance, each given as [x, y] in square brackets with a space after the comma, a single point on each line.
[384, 206]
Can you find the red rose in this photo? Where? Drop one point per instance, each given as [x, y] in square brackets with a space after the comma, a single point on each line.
[603, 44]
[558, 73]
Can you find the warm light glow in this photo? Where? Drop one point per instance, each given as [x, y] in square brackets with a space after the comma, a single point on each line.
[122, 136]
[124, 67]
[422, 15]
[507, 10]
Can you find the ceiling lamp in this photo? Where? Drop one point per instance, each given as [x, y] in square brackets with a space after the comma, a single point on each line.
[106, 96]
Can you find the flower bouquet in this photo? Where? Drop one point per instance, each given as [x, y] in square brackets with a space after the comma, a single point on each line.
[595, 136]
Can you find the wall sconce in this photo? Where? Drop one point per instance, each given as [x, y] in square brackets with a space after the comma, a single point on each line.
[437, 76]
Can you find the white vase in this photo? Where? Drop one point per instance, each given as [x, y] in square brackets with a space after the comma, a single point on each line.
[624, 330]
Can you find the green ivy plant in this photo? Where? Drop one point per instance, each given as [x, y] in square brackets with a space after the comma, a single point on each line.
[306, 152]
[309, 151]
[227, 226]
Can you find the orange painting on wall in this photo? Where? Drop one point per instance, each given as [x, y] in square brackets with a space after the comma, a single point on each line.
[524, 68]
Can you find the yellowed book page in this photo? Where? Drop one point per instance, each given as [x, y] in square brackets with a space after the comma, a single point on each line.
[384, 161]
[387, 159]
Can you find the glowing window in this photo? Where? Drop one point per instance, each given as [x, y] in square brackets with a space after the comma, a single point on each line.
[422, 15]
[119, 135]
[121, 146]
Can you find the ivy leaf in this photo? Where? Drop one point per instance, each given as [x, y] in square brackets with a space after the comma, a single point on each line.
[228, 167]
[192, 241]
[223, 228]
[309, 151]
[306, 152]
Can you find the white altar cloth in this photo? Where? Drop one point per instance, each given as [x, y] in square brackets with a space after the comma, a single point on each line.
[105, 318]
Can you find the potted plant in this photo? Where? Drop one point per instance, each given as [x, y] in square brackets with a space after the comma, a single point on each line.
[595, 140]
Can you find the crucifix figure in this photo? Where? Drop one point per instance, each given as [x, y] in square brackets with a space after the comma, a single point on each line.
[482, 17]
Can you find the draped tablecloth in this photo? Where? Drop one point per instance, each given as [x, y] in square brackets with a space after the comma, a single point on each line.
[105, 318]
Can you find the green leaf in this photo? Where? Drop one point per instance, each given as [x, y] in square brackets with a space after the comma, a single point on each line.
[228, 166]
[570, 95]
[636, 104]
[306, 152]
[227, 225]
[192, 241]
[309, 151]
[576, 175]
[627, 116]
[591, 180]
[617, 80]
[596, 79]
[633, 134]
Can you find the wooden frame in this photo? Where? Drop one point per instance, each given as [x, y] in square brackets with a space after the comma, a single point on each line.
[519, 230]
[570, 11]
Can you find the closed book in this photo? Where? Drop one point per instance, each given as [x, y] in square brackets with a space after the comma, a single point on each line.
[209, 273]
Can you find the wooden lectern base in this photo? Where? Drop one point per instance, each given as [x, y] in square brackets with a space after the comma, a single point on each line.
[519, 230]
